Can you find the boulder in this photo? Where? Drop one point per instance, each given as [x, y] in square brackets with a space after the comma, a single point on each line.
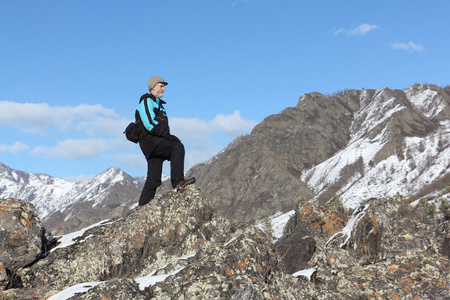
[322, 221]
[245, 267]
[20, 234]
[295, 250]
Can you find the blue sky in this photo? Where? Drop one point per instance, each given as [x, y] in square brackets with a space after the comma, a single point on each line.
[72, 72]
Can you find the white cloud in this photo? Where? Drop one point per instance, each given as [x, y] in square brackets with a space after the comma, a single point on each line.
[361, 30]
[74, 149]
[203, 139]
[232, 125]
[191, 130]
[41, 118]
[15, 148]
[407, 46]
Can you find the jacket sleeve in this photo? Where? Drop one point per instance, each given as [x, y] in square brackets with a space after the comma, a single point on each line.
[146, 114]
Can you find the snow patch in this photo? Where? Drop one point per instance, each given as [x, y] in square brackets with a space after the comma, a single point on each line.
[278, 222]
[306, 273]
[151, 280]
[70, 239]
[73, 290]
[357, 215]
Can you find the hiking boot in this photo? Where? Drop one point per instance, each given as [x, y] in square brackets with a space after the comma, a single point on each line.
[183, 183]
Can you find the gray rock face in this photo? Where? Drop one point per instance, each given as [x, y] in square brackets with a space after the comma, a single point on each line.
[443, 233]
[295, 250]
[20, 234]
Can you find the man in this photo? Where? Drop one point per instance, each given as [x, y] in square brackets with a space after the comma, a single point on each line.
[156, 142]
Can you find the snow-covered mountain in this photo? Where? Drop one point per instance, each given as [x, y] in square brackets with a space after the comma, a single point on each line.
[58, 201]
[354, 145]
[399, 143]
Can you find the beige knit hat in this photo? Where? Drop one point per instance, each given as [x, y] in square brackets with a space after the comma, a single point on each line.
[154, 80]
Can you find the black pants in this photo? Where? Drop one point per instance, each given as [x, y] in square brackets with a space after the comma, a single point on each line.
[165, 150]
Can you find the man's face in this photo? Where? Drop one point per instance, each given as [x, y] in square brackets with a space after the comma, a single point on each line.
[158, 90]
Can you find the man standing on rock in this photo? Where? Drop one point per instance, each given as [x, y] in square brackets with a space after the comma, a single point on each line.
[156, 142]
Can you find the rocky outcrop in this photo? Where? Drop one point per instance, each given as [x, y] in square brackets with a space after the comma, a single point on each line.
[20, 234]
[387, 249]
[172, 226]
[295, 250]
[178, 247]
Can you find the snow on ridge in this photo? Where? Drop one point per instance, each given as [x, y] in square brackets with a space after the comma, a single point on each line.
[49, 194]
[70, 239]
[372, 115]
[426, 101]
[328, 172]
[35, 187]
[306, 273]
[73, 290]
[406, 176]
[112, 175]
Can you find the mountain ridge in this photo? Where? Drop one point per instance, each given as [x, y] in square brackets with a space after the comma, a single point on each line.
[61, 204]
[328, 146]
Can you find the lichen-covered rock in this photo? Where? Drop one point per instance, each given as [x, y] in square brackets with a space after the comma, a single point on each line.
[3, 277]
[243, 268]
[295, 250]
[117, 289]
[20, 234]
[176, 247]
[171, 226]
[321, 220]
[385, 251]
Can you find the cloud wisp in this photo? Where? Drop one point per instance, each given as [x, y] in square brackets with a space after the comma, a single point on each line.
[15, 148]
[411, 46]
[93, 131]
[361, 30]
[74, 149]
[41, 118]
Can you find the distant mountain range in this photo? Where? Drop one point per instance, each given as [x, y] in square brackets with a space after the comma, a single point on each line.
[65, 206]
[352, 146]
